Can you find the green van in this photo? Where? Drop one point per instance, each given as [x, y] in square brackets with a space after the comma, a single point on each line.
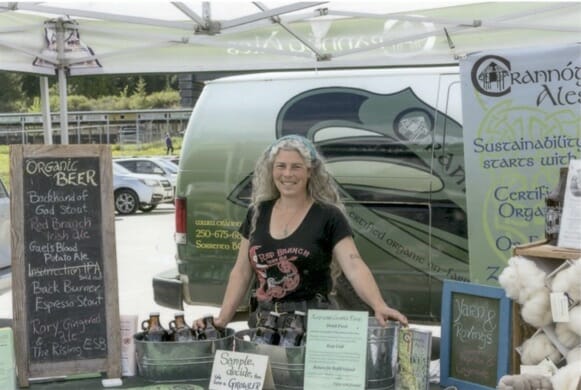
[392, 139]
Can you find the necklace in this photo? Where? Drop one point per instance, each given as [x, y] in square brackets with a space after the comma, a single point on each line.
[290, 220]
[285, 231]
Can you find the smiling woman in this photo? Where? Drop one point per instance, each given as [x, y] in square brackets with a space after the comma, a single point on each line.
[296, 240]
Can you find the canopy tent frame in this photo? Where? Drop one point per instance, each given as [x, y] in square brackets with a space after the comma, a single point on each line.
[263, 40]
[200, 26]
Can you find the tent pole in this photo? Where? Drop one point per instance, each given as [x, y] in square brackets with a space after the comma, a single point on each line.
[62, 80]
[45, 108]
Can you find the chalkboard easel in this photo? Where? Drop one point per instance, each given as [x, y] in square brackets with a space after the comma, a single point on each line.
[64, 271]
[475, 343]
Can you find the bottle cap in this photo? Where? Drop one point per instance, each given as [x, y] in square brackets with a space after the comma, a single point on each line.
[153, 313]
[178, 313]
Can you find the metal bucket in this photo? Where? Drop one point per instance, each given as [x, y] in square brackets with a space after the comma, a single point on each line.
[179, 361]
[287, 363]
[381, 355]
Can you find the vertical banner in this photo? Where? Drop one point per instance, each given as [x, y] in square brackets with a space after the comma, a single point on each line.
[522, 122]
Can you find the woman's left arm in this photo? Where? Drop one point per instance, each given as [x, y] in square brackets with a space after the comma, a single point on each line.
[362, 280]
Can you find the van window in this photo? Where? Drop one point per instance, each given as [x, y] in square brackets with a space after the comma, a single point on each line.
[382, 178]
[450, 214]
[148, 167]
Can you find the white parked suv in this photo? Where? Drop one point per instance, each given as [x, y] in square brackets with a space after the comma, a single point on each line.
[134, 191]
[5, 273]
[152, 165]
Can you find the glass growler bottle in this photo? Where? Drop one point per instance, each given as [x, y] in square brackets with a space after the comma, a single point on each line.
[152, 328]
[554, 204]
[292, 335]
[268, 333]
[210, 331]
[179, 330]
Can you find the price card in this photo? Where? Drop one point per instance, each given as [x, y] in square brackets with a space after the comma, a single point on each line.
[237, 370]
[128, 327]
[559, 307]
[336, 349]
[545, 368]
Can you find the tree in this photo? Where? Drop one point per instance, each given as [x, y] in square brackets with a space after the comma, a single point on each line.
[11, 96]
[21, 92]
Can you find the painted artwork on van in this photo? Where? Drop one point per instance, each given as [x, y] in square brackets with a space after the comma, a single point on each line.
[409, 206]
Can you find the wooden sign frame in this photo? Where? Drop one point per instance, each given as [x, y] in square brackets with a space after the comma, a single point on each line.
[33, 368]
[504, 322]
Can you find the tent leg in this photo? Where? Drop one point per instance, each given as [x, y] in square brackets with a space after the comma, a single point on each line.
[64, 120]
[45, 107]
[62, 79]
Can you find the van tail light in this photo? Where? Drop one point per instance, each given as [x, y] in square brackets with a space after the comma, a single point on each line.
[181, 222]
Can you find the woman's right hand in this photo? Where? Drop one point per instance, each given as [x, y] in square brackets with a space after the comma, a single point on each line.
[198, 324]
[385, 313]
[218, 322]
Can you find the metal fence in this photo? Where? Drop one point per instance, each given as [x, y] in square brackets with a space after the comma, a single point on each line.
[103, 127]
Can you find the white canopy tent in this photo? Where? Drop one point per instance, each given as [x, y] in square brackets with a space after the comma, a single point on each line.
[63, 39]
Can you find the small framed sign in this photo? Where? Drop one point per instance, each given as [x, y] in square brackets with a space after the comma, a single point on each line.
[475, 342]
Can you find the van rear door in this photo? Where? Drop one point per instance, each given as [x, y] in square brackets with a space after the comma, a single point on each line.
[449, 257]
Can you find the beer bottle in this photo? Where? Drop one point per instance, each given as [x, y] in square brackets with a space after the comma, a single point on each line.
[210, 331]
[268, 333]
[554, 204]
[179, 330]
[292, 335]
[152, 329]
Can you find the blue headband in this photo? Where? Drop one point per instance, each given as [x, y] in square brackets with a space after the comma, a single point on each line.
[293, 137]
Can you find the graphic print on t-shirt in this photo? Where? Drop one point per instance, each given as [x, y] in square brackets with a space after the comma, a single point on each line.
[276, 273]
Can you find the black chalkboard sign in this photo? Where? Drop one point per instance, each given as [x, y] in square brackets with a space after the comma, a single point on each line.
[64, 269]
[475, 342]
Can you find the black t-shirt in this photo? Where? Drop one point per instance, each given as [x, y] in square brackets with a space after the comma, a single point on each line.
[296, 267]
